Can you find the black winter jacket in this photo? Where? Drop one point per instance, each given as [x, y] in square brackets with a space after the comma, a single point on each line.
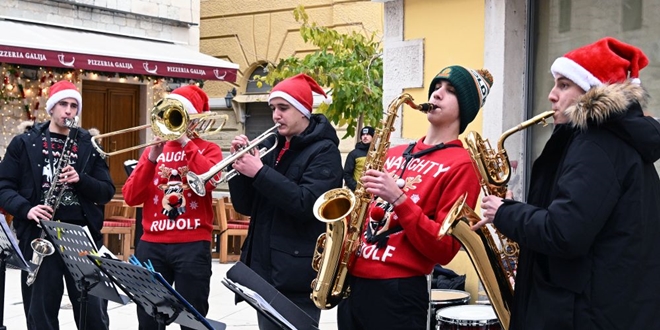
[21, 173]
[360, 151]
[588, 234]
[283, 230]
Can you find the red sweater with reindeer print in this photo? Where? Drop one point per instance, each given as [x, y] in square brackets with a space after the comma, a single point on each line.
[433, 182]
[172, 212]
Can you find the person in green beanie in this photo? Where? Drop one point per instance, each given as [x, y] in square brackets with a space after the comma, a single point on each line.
[417, 187]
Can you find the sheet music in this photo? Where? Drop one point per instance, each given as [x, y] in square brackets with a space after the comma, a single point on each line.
[12, 239]
[103, 250]
[259, 300]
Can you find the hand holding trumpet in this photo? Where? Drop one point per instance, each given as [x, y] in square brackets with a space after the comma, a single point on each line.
[249, 163]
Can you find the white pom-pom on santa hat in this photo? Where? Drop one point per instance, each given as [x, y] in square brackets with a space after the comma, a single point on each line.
[297, 90]
[62, 90]
[194, 99]
[607, 60]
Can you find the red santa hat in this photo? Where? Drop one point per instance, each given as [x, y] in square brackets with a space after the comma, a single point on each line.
[297, 90]
[61, 90]
[605, 61]
[194, 99]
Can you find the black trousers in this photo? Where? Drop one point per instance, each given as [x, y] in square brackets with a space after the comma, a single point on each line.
[42, 300]
[392, 304]
[187, 266]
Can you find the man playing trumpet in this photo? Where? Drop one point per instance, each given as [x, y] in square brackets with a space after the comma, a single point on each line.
[279, 192]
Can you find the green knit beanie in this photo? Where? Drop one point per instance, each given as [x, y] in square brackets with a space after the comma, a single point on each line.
[471, 87]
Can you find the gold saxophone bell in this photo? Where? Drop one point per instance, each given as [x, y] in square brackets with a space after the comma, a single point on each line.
[197, 182]
[169, 121]
[494, 256]
[345, 213]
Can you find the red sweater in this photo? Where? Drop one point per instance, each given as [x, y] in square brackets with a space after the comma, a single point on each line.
[172, 212]
[433, 183]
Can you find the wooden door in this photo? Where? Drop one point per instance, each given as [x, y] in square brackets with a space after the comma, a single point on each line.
[111, 107]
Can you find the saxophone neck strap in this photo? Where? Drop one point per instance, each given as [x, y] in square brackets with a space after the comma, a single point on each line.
[408, 156]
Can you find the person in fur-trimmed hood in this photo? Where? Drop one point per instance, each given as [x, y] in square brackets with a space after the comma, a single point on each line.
[589, 257]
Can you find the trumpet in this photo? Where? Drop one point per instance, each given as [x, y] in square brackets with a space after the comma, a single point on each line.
[197, 182]
[169, 121]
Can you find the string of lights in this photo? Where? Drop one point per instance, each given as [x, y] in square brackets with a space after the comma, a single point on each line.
[24, 91]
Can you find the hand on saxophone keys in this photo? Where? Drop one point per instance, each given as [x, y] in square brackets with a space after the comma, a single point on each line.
[489, 206]
[69, 175]
[383, 185]
[39, 212]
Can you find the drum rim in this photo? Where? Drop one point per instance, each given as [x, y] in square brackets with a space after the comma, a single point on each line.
[464, 322]
[453, 301]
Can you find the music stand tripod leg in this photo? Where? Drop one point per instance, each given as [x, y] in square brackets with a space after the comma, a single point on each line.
[3, 271]
[83, 309]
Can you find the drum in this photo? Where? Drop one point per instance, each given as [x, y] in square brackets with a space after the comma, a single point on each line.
[441, 298]
[467, 317]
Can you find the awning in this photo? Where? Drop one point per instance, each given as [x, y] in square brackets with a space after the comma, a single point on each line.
[49, 46]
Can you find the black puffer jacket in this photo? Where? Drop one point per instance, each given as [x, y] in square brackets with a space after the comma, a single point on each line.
[21, 173]
[280, 199]
[590, 256]
[355, 157]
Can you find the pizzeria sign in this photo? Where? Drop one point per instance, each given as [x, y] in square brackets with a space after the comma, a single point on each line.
[80, 61]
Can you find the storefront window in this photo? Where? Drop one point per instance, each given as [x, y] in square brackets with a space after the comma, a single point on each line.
[562, 25]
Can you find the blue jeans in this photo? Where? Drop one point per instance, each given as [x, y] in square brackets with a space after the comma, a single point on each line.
[185, 265]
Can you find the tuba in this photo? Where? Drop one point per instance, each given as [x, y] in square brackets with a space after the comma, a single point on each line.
[345, 212]
[494, 256]
[41, 246]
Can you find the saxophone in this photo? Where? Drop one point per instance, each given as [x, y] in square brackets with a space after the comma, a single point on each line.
[41, 246]
[493, 255]
[345, 212]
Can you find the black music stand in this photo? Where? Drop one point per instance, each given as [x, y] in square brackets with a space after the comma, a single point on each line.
[266, 300]
[150, 291]
[9, 254]
[73, 243]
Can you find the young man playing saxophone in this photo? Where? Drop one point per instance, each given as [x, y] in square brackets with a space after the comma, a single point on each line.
[419, 184]
[26, 175]
[589, 256]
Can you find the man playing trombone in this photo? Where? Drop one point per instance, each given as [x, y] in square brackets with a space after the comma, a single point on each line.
[278, 191]
[177, 223]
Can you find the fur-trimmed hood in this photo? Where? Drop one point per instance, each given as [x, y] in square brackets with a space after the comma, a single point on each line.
[601, 103]
[618, 108]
